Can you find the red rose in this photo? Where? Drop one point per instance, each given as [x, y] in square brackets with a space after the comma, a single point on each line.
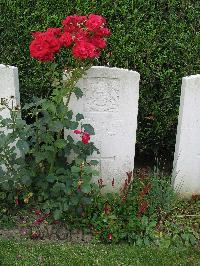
[56, 32]
[103, 32]
[99, 42]
[37, 34]
[40, 50]
[69, 20]
[95, 22]
[84, 50]
[77, 131]
[72, 23]
[82, 35]
[85, 138]
[54, 44]
[66, 39]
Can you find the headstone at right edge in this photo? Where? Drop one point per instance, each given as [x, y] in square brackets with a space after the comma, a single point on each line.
[186, 167]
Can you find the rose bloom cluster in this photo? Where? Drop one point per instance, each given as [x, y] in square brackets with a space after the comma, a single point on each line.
[85, 137]
[85, 35]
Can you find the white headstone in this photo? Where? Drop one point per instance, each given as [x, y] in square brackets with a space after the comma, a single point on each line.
[110, 105]
[9, 87]
[9, 91]
[186, 171]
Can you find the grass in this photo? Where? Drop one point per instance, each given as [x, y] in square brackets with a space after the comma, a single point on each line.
[32, 253]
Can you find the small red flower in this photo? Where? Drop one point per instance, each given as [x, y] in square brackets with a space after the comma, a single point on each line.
[125, 185]
[110, 236]
[129, 175]
[145, 190]
[85, 137]
[124, 199]
[100, 182]
[77, 131]
[56, 222]
[106, 208]
[113, 182]
[39, 221]
[143, 173]
[17, 201]
[79, 188]
[35, 234]
[142, 208]
[38, 212]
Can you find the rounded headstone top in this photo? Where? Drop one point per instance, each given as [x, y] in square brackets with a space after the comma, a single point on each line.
[111, 72]
[7, 66]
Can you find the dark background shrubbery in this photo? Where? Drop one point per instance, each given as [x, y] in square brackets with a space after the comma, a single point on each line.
[159, 39]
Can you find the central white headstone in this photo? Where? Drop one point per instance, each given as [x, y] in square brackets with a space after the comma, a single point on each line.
[186, 172]
[110, 105]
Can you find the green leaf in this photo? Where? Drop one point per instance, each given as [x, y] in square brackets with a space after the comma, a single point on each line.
[23, 146]
[51, 178]
[85, 187]
[60, 143]
[94, 162]
[88, 128]
[73, 125]
[5, 185]
[65, 206]
[56, 126]
[78, 92]
[86, 178]
[74, 201]
[1, 172]
[69, 114]
[57, 214]
[79, 117]
[75, 169]
[95, 173]
[70, 139]
[78, 161]
[87, 170]
[58, 187]
[26, 180]
[47, 105]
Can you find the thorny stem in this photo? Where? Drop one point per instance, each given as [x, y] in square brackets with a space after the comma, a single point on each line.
[71, 82]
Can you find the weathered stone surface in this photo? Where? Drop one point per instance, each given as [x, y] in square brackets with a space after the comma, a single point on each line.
[9, 87]
[186, 171]
[110, 105]
[9, 92]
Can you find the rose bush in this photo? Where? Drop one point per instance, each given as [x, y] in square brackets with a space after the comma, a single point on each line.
[43, 176]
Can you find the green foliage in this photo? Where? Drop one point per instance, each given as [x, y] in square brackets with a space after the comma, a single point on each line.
[46, 169]
[159, 39]
[33, 253]
[146, 211]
